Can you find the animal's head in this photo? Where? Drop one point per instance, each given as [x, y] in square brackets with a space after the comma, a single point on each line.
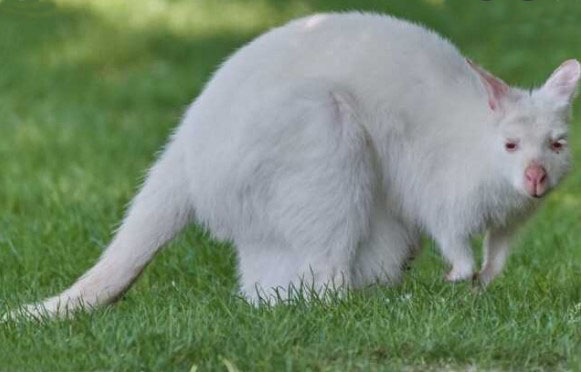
[532, 127]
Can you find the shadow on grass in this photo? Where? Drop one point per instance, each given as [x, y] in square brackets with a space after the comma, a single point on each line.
[69, 56]
[65, 53]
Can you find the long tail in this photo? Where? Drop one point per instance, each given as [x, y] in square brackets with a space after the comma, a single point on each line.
[159, 211]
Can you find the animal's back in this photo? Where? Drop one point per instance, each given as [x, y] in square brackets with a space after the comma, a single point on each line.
[393, 68]
[373, 55]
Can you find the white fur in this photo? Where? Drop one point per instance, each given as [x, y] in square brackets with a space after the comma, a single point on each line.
[324, 148]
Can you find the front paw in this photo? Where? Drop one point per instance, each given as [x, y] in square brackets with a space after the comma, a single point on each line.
[482, 279]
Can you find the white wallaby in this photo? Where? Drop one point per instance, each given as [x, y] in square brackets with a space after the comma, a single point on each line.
[324, 148]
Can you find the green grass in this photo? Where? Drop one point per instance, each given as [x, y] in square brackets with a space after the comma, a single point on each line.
[89, 91]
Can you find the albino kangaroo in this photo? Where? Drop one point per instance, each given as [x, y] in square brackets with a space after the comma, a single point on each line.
[324, 148]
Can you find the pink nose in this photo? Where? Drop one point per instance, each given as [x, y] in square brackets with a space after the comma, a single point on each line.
[536, 180]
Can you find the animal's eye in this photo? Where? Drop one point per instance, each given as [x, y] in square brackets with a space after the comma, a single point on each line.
[558, 145]
[511, 146]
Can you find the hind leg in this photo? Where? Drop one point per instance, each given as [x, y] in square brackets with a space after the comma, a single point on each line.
[266, 271]
[279, 274]
[317, 205]
[385, 254]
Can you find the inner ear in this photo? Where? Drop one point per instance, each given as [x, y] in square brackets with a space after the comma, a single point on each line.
[496, 89]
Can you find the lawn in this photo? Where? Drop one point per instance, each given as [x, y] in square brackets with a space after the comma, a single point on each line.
[89, 91]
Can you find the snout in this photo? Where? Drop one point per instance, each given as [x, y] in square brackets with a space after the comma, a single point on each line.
[536, 182]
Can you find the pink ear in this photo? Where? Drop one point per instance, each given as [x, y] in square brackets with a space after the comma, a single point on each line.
[497, 89]
[562, 84]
